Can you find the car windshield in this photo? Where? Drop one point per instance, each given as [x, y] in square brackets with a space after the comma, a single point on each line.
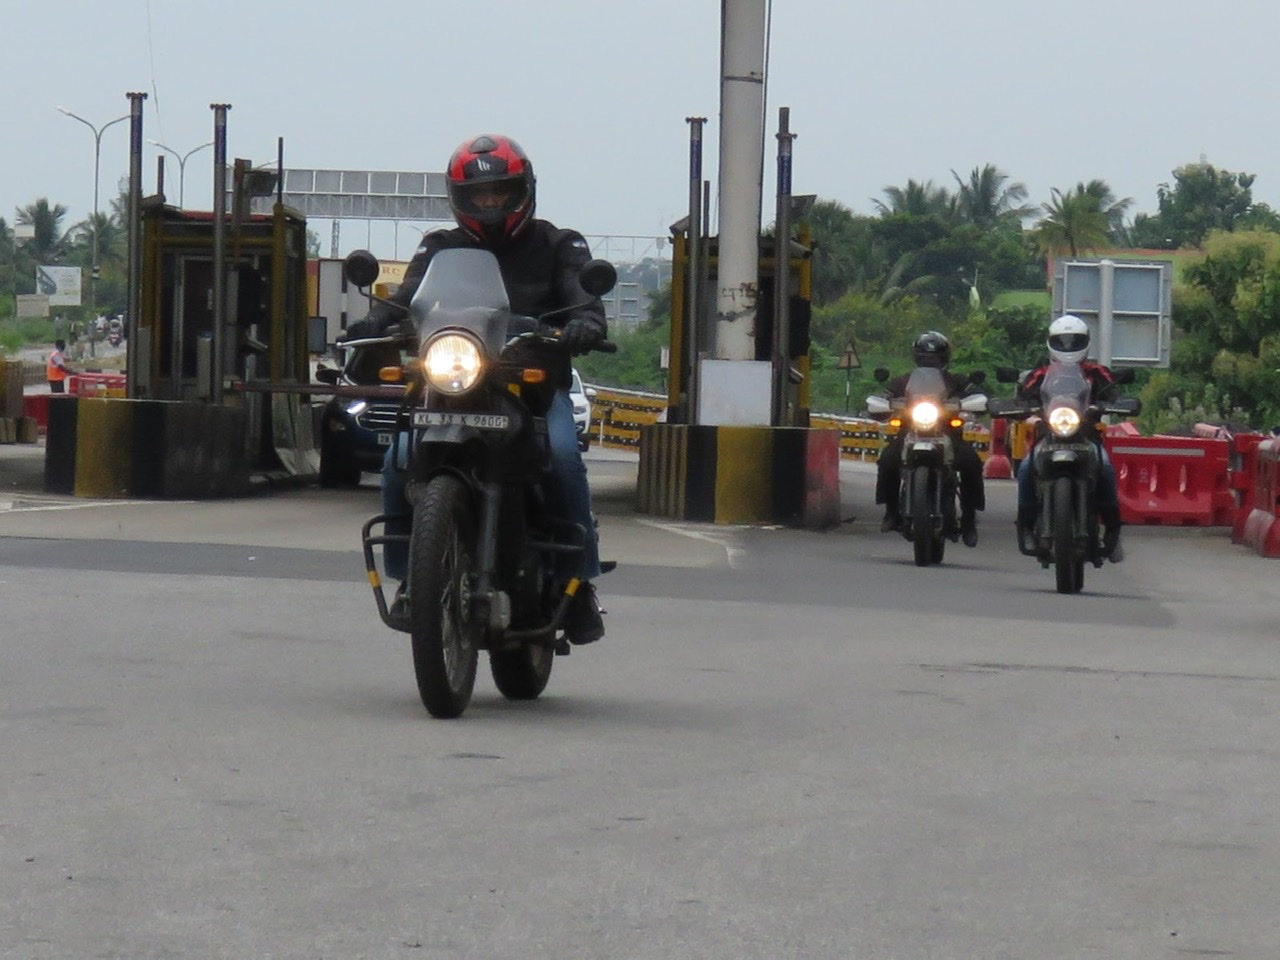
[577, 384]
[364, 363]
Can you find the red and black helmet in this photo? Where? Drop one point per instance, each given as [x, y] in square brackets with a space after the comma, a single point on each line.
[491, 188]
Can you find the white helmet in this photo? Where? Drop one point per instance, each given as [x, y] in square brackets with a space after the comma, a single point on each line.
[1068, 339]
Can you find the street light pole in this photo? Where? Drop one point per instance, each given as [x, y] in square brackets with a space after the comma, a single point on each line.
[97, 157]
[182, 167]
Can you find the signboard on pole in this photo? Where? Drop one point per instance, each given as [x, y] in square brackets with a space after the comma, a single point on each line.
[60, 284]
[32, 305]
[1127, 304]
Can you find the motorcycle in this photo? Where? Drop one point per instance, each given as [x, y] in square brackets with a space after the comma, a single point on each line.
[484, 549]
[1066, 459]
[929, 490]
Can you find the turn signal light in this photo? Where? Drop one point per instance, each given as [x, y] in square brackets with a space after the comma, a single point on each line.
[391, 374]
[533, 375]
[957, 422]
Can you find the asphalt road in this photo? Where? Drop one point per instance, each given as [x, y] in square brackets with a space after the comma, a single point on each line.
[789, 745]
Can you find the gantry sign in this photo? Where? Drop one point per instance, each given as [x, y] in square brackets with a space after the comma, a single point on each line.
[363, 195]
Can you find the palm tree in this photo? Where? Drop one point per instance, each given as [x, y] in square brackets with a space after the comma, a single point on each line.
[113, 240]
[987, 197]
[1073, 221]
[917, 200]
[49, 244]
[1114, 209]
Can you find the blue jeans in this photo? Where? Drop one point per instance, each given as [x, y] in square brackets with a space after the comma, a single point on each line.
[568, 494]
[1108, 498]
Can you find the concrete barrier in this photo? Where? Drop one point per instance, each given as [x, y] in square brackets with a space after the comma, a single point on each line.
[161, 449]
[785, 475]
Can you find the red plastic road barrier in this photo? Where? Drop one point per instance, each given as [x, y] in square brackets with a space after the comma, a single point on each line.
[1179, 481]
[997, 466]
[1244, 470]
[1261, 531]
[36, 406]
[97, 384]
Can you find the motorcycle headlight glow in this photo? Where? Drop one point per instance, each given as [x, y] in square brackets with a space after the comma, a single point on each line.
[452, 363]
[1064, 421]
[924, 414]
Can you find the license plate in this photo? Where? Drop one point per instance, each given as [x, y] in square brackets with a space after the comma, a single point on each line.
[480, 421]
[384, 439]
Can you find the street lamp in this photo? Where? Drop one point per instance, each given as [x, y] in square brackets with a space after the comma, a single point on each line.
[97, 153]
[182, 167]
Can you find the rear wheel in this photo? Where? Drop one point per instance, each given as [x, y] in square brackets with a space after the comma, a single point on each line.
[444, 651]
[1068, 568]
[522, 674]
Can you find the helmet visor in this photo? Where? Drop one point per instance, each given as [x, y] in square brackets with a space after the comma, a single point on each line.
[490, 201]
[1069, 342]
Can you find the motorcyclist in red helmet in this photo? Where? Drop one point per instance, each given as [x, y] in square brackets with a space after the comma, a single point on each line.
[491, 190]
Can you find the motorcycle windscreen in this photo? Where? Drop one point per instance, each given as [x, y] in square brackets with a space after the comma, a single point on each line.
[459, 279]
[463, 288]
[1065, 383]
[926, 383]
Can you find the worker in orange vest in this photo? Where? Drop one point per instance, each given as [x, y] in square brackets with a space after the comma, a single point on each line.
[58, 372]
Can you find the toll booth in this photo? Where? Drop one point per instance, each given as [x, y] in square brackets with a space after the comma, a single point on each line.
[265, 334]
[264, 362]
[684, 351]
[785, 473]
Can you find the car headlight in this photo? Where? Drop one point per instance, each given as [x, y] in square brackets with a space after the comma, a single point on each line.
[357, 408]
[924, 414]
[452, 363]
[1064, 421]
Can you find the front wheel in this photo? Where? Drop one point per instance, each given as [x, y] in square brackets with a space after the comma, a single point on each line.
[925, 540]
[522, 674]
[1068, 567]
[444, 652]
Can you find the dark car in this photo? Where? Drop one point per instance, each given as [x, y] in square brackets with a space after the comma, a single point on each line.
[356, 431]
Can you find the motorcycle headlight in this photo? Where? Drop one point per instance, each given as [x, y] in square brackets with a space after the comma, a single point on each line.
[452, 363]
[1064, 421]
[925, 414]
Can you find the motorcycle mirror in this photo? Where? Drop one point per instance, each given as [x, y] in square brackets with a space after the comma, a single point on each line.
[598, 277]
[1125, 375]
[327, 375]
[1006, 375]
[881, 374]
[361, 268]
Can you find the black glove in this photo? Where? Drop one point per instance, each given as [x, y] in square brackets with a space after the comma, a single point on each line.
[580, 335]
[358, 330]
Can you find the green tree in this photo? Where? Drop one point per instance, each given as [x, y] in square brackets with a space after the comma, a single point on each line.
[1227, 351]
[917, 200]
[6, 270]
[987, 197]
[50, 243]
[845, 256]
[1073, 221]
[1202, 198]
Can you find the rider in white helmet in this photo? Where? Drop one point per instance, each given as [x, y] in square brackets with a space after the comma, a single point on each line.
[1068, 342]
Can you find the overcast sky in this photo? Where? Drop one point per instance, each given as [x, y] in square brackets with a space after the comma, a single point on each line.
[597, 91]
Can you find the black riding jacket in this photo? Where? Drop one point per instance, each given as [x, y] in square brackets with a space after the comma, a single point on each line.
[539, 266]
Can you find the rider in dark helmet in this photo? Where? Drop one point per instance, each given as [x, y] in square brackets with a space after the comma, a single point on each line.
[491, 192]
[932, 349]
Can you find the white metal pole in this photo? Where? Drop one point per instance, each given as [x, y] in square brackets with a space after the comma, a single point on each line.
[742, 57]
